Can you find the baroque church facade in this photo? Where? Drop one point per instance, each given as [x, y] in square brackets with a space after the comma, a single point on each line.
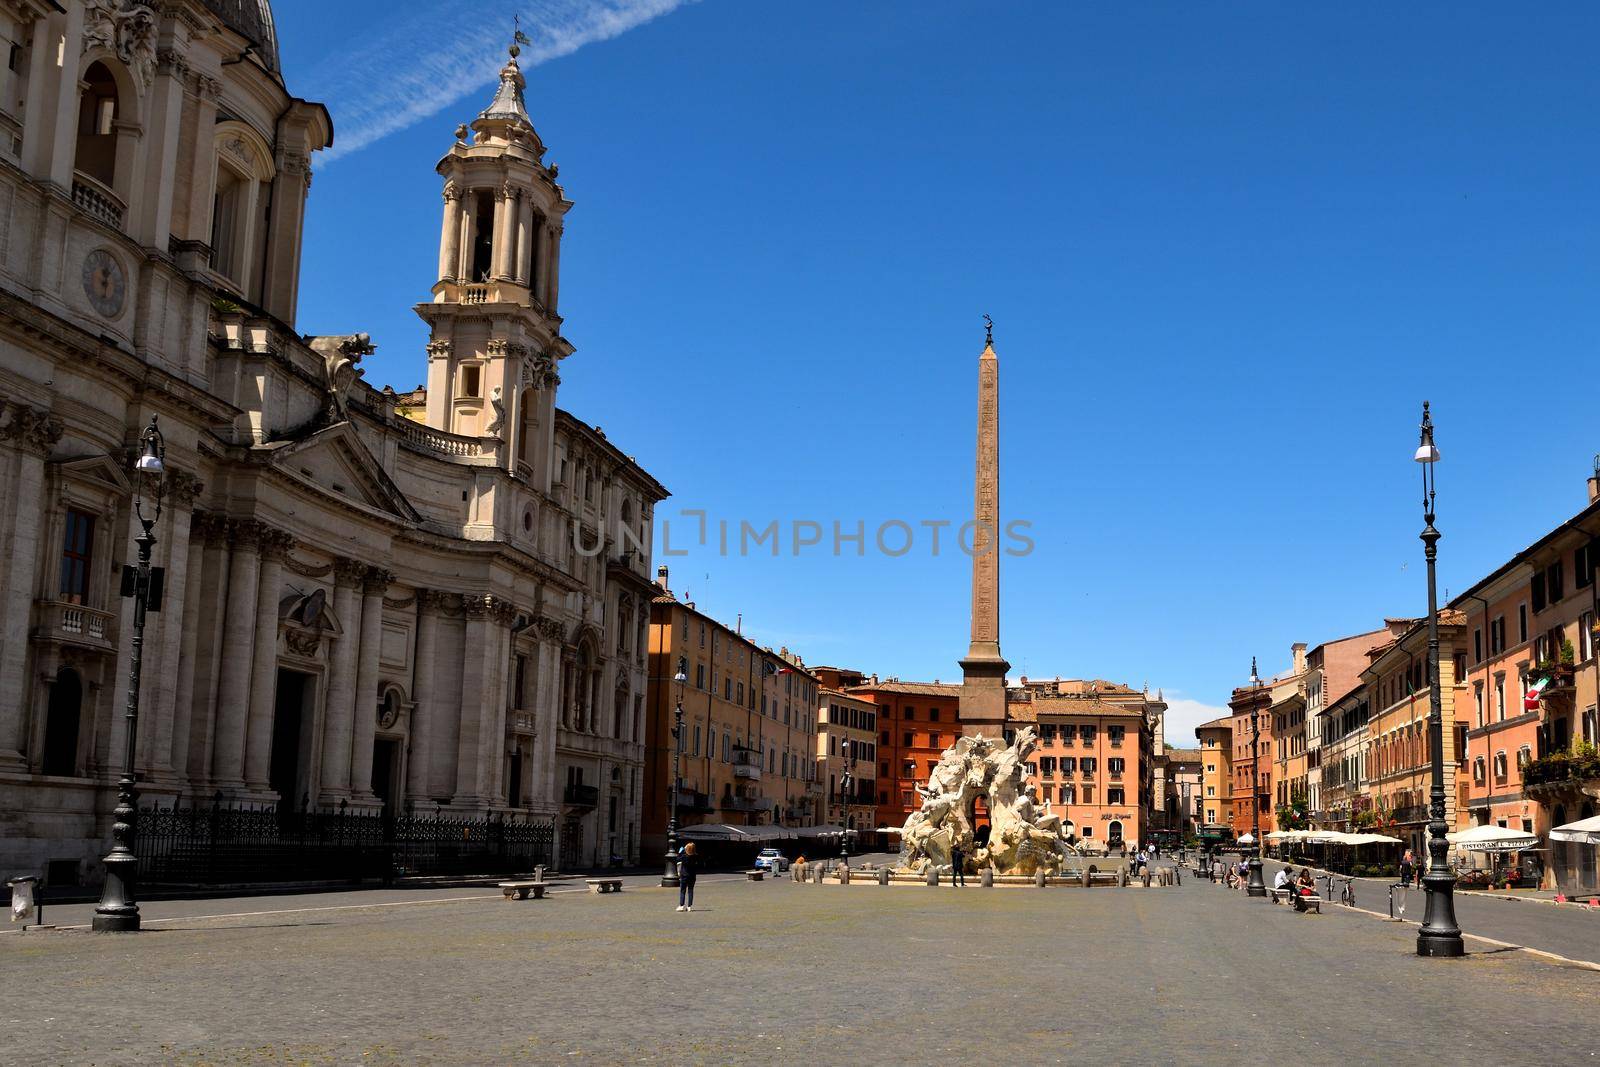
[374, 602]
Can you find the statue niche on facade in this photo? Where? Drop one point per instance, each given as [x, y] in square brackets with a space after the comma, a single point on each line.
[1023, 837]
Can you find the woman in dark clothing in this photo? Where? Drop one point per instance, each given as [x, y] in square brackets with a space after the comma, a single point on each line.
[688, 867]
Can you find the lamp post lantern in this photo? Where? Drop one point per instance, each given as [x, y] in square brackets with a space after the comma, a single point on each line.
[669, 877]
[1440, 935]
[118, 910]
[1254, 885]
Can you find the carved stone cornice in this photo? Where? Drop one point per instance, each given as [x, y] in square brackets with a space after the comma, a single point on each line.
[171, 63]
[438, 349]
[246, 533]
[376, 581]
[308, 570]
[295, 165]
[186, 16]
[32, 429]
[275, 544]
[207, 87]
[434, 601]
[550, 629]
[487, 606]
[400, 603]
[183, 488]
[211, 527]
[348, 572]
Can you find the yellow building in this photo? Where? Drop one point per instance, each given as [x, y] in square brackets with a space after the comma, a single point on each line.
[749, 725]
[847, 754]
[1398, 764]
[1216, 772]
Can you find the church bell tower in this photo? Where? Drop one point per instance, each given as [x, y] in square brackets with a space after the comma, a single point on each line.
[495, 333]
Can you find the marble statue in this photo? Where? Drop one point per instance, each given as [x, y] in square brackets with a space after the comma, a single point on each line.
[1024, 837]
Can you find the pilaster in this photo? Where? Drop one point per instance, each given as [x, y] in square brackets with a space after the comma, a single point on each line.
[366, 697]
[339, 715]
[423, 728]
[238, 654]
[31, 433]
[275, 545]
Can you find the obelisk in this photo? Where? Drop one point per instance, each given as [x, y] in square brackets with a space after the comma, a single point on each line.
[983, 671]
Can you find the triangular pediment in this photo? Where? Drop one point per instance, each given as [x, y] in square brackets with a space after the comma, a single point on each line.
[99, 468]
[335, 462]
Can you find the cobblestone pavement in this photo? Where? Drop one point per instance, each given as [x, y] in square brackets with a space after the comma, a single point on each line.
[1537, 924]
[780, 972]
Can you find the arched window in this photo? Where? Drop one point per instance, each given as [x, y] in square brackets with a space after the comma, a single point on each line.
[530, 422]
[239, 203]
[99, 106]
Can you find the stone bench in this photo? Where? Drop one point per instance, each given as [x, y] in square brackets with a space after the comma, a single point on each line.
[604, 885]
[1279, 896]
[755, 875]
[521, 890]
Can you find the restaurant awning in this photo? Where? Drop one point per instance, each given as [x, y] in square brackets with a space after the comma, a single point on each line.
[1584, 831]
[1492, 839]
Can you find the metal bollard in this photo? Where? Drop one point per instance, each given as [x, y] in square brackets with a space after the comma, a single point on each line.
[883, 876]
[933, 875]
[986, 879]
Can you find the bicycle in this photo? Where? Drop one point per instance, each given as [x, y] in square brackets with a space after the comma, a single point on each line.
[1347, 892]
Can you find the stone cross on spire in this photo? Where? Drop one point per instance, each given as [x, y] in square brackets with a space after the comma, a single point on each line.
[983, 683]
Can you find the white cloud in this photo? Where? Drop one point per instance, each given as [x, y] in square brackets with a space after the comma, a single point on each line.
[413, 71]
[1183, 715]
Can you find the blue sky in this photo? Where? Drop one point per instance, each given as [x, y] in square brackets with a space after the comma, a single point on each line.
[1228, 252]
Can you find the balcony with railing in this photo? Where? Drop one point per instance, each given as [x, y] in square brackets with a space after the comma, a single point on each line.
[98, 200]
[442, 442]
[694, 800]
[74, 624]
[747, 764]
[581, 796]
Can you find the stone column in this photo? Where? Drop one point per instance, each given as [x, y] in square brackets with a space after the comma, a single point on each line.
[366, 696]
[172, 624]
[208, 652]
[547, 715]
[419, 766]
[32, 433]
[450, 234]
[188, 630]
[474, 667]
[505, 206]
[338, 715]
[552, 273]
[238, 655]
[469, 236]
[521, 271]
[275, 545]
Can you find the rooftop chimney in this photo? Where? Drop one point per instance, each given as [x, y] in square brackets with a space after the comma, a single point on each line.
[1299, 651]
[661, 577]
[1594, 481]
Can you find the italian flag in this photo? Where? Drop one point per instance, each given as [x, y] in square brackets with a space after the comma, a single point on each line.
[1530, 701]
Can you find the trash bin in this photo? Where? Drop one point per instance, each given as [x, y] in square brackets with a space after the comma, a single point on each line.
[25, 900]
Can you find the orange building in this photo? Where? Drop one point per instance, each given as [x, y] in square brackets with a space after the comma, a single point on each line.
[917, 721]
[1532, 619]
[1216, 772]
[1092, 763]
[1250, 729]
[1399, 764]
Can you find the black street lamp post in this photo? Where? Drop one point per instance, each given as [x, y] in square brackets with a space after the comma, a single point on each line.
[1254, 885]
[118, 910]
[1439, 935]
[845, 785]
[669, 877]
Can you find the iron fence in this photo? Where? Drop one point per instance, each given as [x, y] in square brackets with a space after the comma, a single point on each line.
[241, 844]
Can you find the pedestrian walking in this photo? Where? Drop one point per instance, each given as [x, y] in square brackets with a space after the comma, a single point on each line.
[1408, 864]
[958, 875]
[688, 867]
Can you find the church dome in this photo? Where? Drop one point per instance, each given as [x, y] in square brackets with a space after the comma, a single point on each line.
[252, 20]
